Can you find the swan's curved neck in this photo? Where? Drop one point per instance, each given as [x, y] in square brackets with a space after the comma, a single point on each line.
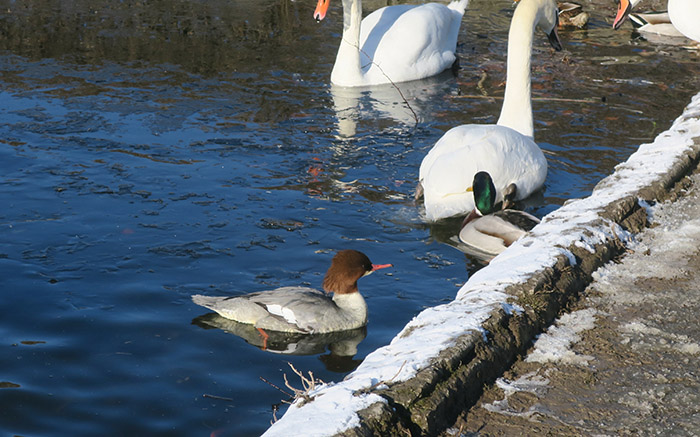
[347, 68]
[517, 108]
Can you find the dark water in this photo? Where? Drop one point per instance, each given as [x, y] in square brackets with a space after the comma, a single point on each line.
[151, 151]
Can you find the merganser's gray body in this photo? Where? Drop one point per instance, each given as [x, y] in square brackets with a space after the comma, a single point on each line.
[292, 309]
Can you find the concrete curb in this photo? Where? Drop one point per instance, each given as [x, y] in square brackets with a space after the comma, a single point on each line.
[435, 394]
[425, 404]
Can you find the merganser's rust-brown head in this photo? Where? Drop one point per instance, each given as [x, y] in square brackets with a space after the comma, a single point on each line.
[346, 268]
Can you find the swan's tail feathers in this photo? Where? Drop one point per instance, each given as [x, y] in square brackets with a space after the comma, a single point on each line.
[459, 6]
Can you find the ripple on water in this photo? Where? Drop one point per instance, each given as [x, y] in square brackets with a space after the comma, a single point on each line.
[141, 166]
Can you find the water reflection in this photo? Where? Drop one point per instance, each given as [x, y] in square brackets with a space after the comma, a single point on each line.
[677, 39]
[341, 346]
[406, 103]
[195, 35]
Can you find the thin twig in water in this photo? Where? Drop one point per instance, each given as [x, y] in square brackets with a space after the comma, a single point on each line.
[274, 386]
[410, 108]
[551, 99]
[480, 84]
[275, 408]
[544, 99]
[221, 398]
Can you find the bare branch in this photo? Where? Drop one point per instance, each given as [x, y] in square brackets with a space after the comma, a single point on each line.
[308, 384]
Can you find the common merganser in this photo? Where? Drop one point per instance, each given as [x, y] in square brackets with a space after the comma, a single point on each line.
[396, 43]
[487, 230]
[301, 309]
[507, 149]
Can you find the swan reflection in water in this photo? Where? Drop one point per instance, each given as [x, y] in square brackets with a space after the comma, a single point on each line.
[353, 104]
[341, 346]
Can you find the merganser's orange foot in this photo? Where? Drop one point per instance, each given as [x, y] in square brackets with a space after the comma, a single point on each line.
[264, 336]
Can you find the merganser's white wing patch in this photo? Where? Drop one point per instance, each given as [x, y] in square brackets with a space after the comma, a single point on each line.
[286, 313]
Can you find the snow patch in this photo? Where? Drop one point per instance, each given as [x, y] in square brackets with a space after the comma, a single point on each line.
[555, 344]
[333, 411]
[530, 383]
[679, 343]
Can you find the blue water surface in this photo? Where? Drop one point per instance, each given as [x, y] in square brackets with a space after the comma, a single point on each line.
[148, 158]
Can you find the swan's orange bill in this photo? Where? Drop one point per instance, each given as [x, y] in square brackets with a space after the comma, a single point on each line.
[380, 266]
[622, 10]
[321, 9]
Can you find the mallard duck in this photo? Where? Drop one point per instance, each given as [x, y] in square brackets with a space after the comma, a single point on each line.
[395, 43]
[572, 15]
[488, 231]
[505, 150]
[683, 18]
[656, 27]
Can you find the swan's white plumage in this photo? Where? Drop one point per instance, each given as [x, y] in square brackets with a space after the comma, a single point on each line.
[448, 169]
[685, 16]
[398, 43]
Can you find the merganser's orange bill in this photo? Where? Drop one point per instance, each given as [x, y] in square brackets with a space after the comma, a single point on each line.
[380, 266]
[623, 10]
[321, 9]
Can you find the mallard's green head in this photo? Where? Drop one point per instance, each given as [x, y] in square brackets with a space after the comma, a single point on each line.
[484, 193]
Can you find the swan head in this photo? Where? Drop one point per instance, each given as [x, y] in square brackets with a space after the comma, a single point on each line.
[549, 22]
[547, 18]
[321, 9]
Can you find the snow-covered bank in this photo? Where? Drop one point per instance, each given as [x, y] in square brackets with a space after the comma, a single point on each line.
[625, 358]
[584, 225]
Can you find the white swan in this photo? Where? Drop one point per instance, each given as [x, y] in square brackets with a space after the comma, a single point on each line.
[684, 15]
[398, 43]
[506, 150]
